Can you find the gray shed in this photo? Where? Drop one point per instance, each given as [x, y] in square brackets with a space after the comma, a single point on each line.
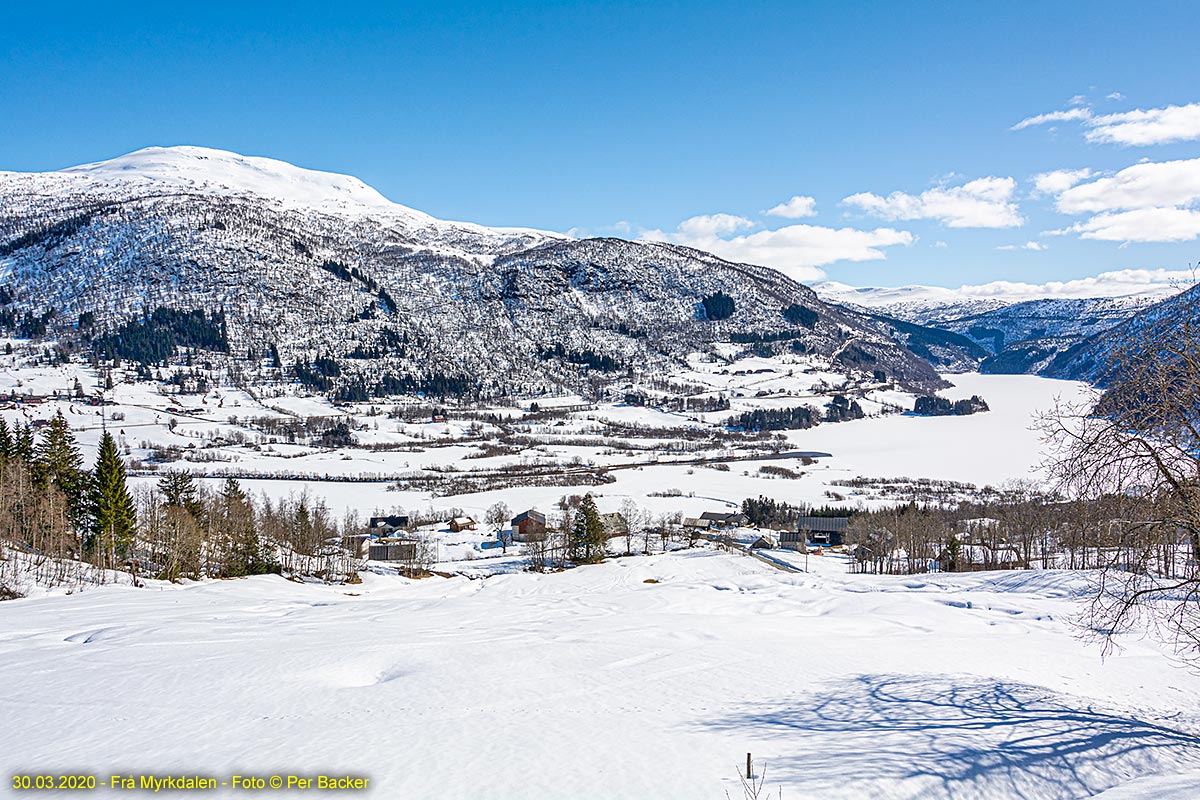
[393, 550]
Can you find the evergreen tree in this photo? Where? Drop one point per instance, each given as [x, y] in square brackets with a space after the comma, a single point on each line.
[245, 553]
[23, 445]
[179, 491]
[111, 507]
[7, 444]
[57, 462]
[589, 531]
[953, 553]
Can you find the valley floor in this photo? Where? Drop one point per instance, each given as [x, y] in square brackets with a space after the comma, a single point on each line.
[640, 677]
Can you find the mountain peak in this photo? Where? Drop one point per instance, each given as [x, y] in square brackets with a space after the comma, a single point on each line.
[224, 172]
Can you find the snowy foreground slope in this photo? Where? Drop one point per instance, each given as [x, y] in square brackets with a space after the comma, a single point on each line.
[596, 683]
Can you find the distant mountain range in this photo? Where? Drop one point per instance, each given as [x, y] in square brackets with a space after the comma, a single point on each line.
[316, 277]
[1052, 336]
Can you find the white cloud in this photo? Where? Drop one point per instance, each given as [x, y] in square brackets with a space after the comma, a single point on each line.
[1114, 96]
[940, 243]
[1078, 113]
[797, 250]
[796, 208]
[1142, 186]
[1077, 100]
[1141, 225]
[1059, 180]
[1027, 246]
[713, 225]
[1119, 283]
[1147, 127]
[1154, 201]
[1137, 128]
[981, 203]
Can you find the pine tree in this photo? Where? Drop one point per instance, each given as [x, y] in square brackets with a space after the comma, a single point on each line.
[111, 508]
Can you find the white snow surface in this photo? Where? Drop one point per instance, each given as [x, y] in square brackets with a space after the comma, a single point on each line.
[185, 168]
[598, 683]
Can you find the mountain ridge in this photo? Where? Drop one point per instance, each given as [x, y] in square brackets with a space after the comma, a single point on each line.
[388, 299]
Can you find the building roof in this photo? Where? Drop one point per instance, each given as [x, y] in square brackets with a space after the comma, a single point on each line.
[822, 524]
[692, 522]
[531, 514]
[394, 521]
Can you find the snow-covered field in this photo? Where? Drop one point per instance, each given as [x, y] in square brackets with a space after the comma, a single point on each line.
[984, 449]
[641, 677]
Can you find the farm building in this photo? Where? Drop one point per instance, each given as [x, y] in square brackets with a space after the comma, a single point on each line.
[460, 524]
[721, 519]
[696, 523]
[529, 526]
[614, 525]
[821, 531]
[385, 526]
[392, 549]
[764, 542]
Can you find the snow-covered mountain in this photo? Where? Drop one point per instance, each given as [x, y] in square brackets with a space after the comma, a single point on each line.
[924, 305]
[308, 263]
[1012, 333]
[1093, 358]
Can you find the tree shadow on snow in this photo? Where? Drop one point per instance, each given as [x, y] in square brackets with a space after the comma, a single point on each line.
[969, 735]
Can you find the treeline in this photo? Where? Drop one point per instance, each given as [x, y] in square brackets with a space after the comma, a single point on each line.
[941, 407]
[587, 358]
[838, 409]
[47, 236]
[1028, 529]
[155, 338]
[718, 306]
[766, 512]
[54, 513]
[360, 390]
[318, 374]
[22, 326]
[350, 274]
[774, 419]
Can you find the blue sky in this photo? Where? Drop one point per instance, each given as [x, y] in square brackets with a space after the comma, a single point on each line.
[683, 121]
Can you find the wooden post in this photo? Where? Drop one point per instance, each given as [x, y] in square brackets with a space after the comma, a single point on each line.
[749, 767]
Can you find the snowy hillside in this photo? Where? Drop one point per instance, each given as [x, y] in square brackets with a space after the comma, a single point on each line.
[999, 333]
[306, 264]
[641, 677]
[1089, 359]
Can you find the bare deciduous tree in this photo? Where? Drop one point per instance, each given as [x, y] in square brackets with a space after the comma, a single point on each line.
[1131, 463]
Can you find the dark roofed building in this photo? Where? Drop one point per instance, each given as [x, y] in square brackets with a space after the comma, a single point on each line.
[818, 530]
[385, 526]
[724, 519]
